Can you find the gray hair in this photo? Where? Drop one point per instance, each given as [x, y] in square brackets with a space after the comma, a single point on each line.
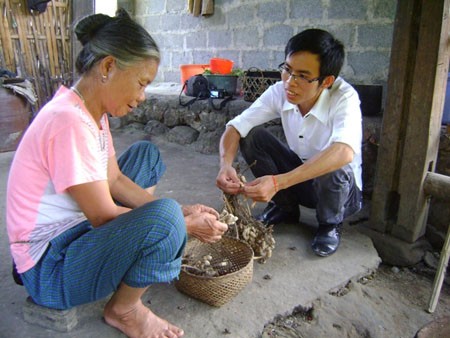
[119, 36]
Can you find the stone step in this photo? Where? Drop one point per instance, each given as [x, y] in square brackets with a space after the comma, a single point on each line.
[57, 320]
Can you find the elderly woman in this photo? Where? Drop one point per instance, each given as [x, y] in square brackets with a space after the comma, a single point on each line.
[84, 224]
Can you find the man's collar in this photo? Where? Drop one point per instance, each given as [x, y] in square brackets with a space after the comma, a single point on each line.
[320, 108]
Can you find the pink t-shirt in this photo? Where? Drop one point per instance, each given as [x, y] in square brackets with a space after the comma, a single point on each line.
[61, 148]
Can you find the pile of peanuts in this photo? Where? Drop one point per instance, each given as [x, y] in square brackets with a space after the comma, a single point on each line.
[204, 266]
[244, 226]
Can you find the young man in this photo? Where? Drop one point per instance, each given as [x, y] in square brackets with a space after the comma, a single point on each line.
[320, 166]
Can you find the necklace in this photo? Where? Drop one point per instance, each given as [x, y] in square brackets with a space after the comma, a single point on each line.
[76, 91]
[101, 136]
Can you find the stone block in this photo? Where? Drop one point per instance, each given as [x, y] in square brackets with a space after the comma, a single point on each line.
[241, 16]
[257, 59]
[116, 122]
[152, 7]
[152, 23]
[272, 12]
[375, 35]
[171, 22]
[171, 41]
[208, 142]
[219, 38]
[182, 135]
[57, 320]
[348, 9]
[176, 5]
[395, 251]
[245, 36]
[201, 57]
[385, 9]
[377, 61]
[277, 36]
[306, 9]
[344, 33]
[195, 40]
[155, 128]
[212, 121]
[172, 76]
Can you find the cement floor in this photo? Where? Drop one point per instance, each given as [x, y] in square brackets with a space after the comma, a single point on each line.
[298, 277]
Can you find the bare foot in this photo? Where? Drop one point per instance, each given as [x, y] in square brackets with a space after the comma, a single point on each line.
[140, 322]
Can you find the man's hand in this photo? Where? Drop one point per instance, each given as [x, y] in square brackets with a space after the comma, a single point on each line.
[262, 189]
[228, 181]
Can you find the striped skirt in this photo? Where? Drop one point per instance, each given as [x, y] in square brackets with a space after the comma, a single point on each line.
[139, 248]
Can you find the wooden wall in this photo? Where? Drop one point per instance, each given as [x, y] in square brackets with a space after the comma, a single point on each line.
[37, 46]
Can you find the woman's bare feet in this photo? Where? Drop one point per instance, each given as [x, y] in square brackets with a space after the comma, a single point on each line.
[139, 322]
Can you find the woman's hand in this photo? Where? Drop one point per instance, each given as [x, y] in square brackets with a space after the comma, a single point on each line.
[202, 223]
[198, 208]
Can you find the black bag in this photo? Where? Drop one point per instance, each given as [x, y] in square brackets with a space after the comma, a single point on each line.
[37, 5]
[198, 87]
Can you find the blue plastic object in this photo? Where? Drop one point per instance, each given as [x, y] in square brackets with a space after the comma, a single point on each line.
[446, 113]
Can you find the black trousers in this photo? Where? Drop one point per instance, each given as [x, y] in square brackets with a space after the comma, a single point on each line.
[334, 195]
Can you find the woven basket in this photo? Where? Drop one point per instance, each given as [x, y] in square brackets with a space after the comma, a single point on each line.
[256, 81]
[217, 291]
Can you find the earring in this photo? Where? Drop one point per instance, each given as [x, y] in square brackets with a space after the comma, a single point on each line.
[104, 78]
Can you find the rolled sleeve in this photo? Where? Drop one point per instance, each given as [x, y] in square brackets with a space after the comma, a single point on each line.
[266, 108]
[347, 123]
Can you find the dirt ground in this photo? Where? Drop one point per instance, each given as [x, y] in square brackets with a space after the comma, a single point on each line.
[390, 303]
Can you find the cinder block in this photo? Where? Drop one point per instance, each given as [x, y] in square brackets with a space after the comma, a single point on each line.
[348, 9]
[276, 36]
[272, 11]
[219, 38]
[58, 320]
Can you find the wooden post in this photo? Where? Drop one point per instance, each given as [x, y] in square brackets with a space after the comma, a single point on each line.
[385, 197]
[440, 274]
[438, 186]
[411, 123]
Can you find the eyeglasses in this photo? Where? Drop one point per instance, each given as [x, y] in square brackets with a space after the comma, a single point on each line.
[283, 68]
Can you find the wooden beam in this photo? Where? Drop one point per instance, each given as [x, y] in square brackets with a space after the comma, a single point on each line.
[437, 186]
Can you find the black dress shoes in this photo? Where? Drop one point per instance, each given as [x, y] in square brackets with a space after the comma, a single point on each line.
[327, 239]
[273, 214]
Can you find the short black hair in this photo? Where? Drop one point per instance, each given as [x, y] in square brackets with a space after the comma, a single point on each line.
[320, 42]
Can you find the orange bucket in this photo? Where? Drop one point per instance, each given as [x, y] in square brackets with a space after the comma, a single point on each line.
[220, 66]
[190, 70]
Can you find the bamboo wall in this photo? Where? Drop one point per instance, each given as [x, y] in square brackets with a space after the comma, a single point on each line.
[37, 45]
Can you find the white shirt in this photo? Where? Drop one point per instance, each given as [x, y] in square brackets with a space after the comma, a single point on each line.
[335, 117]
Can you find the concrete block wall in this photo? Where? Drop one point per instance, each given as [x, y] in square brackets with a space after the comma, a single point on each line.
[253, 33]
